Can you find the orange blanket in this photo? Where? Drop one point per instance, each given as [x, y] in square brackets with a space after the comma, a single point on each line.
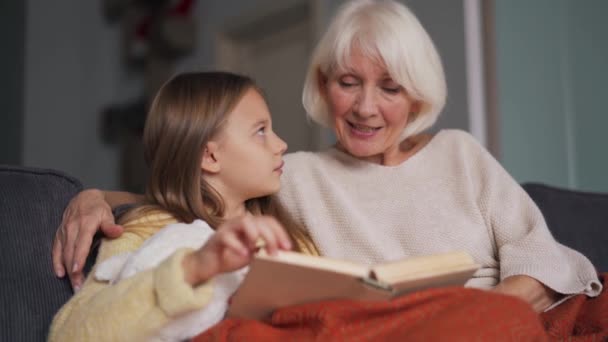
[437, 314]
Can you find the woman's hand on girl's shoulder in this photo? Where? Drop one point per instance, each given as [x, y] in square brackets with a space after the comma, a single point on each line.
[86, 213]
[233, 246]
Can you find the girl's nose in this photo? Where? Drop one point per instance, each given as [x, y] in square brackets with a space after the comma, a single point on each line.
[281, 146]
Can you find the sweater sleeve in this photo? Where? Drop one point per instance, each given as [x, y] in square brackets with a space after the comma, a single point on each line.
[523, 242]
[133, 308]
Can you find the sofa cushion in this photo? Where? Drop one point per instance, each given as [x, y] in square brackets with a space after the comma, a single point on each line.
[577, 219]
[31, 204]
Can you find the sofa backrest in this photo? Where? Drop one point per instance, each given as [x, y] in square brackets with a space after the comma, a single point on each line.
[576, 219]
[31, 206]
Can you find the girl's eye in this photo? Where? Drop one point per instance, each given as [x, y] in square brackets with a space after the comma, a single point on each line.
[261, 131]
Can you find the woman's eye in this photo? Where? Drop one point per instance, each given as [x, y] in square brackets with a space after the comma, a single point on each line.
[392, 90]
[261, 131]
[346, 84]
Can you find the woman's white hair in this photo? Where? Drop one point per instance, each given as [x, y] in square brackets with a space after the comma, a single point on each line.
[389, 32]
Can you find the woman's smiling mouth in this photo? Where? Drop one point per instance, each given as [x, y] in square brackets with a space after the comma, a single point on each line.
[362, 130]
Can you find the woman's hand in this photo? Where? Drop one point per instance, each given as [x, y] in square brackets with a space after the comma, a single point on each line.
[233, 246]
[530, 290]
[84, 215]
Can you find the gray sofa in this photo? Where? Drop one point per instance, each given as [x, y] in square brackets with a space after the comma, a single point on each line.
[32, 201]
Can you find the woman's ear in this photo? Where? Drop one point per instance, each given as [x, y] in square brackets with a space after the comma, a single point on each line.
[209, 162]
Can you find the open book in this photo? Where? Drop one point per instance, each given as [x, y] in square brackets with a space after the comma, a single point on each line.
[290, 278]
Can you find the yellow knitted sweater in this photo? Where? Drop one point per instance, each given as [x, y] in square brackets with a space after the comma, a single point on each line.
[136, 307]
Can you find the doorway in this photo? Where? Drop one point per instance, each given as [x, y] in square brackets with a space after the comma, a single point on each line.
[273, 47]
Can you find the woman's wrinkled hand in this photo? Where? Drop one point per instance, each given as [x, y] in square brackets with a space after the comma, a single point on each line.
[85, 214]
[530, 290]
[233, 247]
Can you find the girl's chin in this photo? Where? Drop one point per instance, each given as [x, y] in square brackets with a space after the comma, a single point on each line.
[268, 190]
[274, 189]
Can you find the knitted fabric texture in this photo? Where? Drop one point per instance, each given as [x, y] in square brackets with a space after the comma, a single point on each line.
[156, 249]
[451, 195]
[137, 307]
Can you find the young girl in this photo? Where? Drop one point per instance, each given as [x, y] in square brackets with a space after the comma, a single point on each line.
[214, 163]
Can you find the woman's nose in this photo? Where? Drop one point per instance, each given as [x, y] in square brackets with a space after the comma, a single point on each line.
[367, 104]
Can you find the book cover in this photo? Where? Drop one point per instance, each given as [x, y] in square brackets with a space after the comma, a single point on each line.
[290, 278]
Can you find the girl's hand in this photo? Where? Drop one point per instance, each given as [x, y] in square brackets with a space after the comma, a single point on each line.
[233, 246]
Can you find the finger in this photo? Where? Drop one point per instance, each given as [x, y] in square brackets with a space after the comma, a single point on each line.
[58, 250]
[68, 237]
[231, 241]
[236, 257]
[82, 246]
[268, 235]
[250, 232]
[76, 279]
[111, 229]
[56, 253]
[281, 235]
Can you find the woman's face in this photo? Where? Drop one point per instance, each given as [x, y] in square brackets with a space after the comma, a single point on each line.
[369, 109]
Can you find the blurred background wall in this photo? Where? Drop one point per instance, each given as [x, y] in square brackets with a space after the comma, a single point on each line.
[12, 34]
[63, 66]
[552, 71]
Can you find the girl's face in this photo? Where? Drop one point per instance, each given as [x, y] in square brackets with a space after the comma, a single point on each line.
[369, 109]
[249, 152]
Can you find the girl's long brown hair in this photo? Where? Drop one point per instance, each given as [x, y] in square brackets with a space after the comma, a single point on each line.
[188, 111]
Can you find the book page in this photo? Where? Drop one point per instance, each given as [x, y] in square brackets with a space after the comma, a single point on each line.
[452, 278]
[424, 267]
[316, 262]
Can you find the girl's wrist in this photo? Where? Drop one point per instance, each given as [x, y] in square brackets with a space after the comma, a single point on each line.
[195, 271]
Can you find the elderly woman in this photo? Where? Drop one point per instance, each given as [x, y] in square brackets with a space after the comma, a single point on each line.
[387, 190]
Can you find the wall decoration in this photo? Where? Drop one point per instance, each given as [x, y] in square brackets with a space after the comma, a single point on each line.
[155, 35]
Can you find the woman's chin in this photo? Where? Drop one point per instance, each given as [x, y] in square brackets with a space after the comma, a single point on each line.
[362, 147]
[361, 151]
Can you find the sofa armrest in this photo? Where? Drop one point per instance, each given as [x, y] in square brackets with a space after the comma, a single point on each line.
[31, 206]
[577, 219]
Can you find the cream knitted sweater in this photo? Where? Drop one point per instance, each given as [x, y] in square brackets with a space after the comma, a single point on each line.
[451, 195]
